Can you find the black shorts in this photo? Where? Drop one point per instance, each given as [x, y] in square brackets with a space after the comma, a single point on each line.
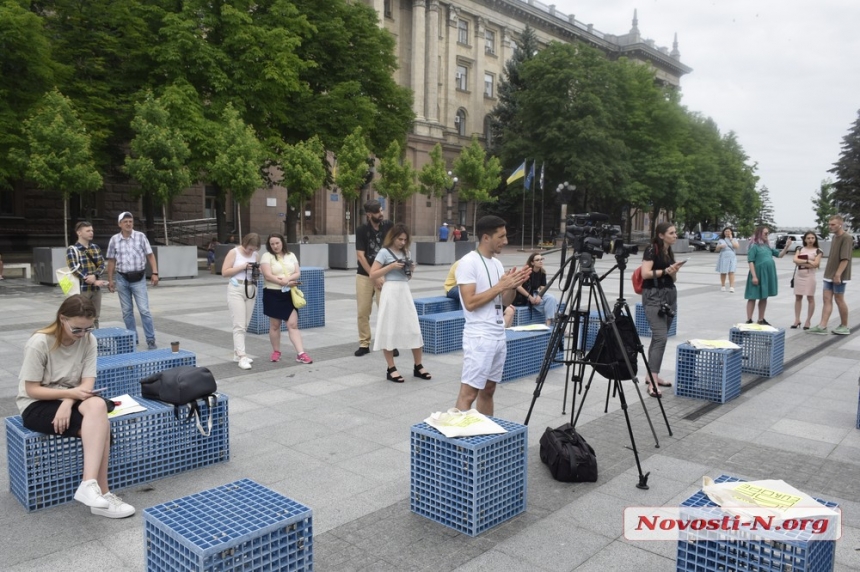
[39, 417]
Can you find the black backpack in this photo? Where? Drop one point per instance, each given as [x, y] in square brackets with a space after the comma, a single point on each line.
[183, 385]
[569, 458]
[605, 355]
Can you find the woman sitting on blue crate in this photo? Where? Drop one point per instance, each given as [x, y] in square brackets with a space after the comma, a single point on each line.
[528, 293]
[397, 320]
[56, 396]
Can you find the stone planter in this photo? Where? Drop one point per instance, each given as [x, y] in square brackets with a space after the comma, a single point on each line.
[434, 253]
[174, 262]
[221, 251]
[342, 256]
[463, 248]
[311, 254]
[45, 261]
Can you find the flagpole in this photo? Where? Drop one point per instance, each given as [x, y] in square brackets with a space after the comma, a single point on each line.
[523, 217]
[542, 202]
[533, 215]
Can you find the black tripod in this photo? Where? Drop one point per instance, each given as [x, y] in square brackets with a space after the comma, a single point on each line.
[574, 322]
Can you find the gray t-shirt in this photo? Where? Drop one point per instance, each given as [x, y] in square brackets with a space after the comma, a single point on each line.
[386, 257]
[60, 368]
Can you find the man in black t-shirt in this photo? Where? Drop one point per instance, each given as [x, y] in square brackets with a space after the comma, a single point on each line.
[368, 243]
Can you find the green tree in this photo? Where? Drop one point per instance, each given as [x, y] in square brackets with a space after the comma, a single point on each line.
[765, 213]
[58, 156]
[825, 207]
[303, 174]
[159, 156]
[27, 71]
[397, 177]
[846, 170]
[477, 175]
[352, 171]
[509, 140]
[237, 164]
[434, 177]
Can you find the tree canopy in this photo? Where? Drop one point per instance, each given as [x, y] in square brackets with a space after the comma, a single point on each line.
[846, 187]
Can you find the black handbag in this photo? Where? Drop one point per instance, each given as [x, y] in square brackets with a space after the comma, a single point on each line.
[569, 458]
[183, 385]
[791, 284]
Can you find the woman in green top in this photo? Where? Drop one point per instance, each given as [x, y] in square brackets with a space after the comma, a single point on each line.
[762, 279]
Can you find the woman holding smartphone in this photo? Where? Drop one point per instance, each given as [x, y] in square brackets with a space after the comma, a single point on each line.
[807, 260]
[727, 263]
[659, 298]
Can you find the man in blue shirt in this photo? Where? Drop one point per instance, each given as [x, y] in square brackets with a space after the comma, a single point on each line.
[443, 232]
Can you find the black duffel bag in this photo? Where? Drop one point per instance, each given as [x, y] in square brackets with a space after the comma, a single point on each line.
[183, 385]
[569, 458]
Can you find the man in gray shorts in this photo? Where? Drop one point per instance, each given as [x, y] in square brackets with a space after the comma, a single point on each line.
[485, 289]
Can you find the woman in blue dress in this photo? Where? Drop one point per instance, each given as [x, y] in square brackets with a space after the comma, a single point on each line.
[727, 263]
[762, 279]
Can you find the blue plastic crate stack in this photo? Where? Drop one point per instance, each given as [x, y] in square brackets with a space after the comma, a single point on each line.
[710, 374]
[442, 332]
[708, 551]
[113, 341]
[763, 352]
[469, 484]
[643, 328]
[238, 526]
[435, 305]
[122, 373]
[526, 350]
[311, 316]
[45, 470]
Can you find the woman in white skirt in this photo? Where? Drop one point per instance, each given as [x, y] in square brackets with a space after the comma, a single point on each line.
[727, 263]
[397, 321]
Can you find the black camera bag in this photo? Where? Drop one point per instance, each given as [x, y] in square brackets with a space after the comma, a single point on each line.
[183, 385]
[605, 355]
[569, 458]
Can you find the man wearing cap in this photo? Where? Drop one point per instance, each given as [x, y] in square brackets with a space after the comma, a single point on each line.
[127, 254]
[368, 242]
[443, 232]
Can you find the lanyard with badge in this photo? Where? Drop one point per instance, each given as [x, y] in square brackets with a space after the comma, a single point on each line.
[498, 299]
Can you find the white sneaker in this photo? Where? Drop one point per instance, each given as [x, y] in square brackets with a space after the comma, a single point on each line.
[90, 494]
[116, 507]
[238, 358]
[731, 290]
[244, 363]
[723, 289]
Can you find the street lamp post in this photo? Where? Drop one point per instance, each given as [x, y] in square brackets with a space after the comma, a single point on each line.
[565, 195]
[449, 191]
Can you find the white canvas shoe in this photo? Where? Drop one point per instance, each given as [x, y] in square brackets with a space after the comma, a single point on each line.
[116, 507]
[90, 494]
[244, 363]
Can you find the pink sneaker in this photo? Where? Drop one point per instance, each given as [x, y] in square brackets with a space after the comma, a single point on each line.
[276, 356]
[304, 358]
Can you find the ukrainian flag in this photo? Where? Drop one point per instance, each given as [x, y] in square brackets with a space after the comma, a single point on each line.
[518, 174]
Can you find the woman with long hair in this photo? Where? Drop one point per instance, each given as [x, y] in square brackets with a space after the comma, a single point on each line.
[397, 321]
[762, 282]
[528, 293]
[727, 263]
[807, 259]
[238, 268]
[659, 297]
[56, 397]
[281, 271]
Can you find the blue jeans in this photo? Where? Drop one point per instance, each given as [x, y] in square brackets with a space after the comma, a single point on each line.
[454, 293]
[126, 291]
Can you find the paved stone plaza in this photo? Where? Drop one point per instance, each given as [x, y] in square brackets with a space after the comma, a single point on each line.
[334, 435]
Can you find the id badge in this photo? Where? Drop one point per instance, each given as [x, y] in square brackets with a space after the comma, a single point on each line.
[499, 319]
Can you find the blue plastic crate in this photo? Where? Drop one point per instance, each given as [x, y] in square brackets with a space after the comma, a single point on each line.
[113, 341]
[311, 316]
[711, 374]
[238, 526]
[526, 351]
[707, 551]
[470, 484]
[122, 373]
[442, 332]
[45, 470]
[435, 305]
[527, 315]
[643, 328]
[763, 352]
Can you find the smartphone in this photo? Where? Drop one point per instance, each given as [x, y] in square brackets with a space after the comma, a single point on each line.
[298, 282]
[686, 260]
[98, 390]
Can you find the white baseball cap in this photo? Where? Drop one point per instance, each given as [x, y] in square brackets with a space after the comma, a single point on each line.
[124, 214]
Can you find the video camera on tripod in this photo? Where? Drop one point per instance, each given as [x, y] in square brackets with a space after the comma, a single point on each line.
[589, 232]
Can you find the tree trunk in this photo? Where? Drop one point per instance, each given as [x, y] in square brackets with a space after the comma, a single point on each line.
[290, 223]
[239, 221]
[164, 220]
[65, 221]
[220, 218]
[149, 216]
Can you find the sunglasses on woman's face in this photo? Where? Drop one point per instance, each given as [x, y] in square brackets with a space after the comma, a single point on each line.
[77, 331]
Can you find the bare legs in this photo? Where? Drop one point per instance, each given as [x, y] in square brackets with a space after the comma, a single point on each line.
[417, 356]
[293, 333]
[468, 395]
[95, 439]
[762, 306]
[810, 303]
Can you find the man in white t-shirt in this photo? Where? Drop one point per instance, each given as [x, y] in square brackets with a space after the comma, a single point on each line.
[485, 289]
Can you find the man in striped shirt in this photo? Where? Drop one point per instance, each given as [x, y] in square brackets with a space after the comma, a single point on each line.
[127, 255]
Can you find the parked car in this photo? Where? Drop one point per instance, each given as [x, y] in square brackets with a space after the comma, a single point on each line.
[697, 243]
[710, 239]
[796, 238]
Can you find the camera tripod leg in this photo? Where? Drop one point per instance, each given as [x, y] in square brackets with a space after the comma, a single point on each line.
[643, 478]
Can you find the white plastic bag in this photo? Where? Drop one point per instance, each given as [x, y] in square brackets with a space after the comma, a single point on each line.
[771, 496]
[456, 423]
[68, 282]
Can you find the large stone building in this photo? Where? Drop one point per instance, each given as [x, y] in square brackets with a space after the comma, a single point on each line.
[452, 55]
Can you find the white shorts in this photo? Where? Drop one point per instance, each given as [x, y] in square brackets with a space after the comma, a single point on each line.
[483, 360]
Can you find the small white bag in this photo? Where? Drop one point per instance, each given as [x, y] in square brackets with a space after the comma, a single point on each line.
[456, 423]
[771, 496]
[68, 281]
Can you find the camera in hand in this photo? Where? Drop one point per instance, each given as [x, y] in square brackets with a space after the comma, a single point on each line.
[590, 232]
[666, 310]
[407, 267]
[254, 267]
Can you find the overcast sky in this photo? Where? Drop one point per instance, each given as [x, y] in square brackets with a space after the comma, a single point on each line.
[783, 75]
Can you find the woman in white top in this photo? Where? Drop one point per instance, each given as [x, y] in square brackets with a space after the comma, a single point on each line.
[237, 267]
[281, 271]
[56, 396]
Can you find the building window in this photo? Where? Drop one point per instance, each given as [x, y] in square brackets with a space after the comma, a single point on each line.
[463, 32]
[209, 207]
[7, 201]
[386, 8]
[490, 42]
[460, 122]
[489, 82]
[462, 79]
